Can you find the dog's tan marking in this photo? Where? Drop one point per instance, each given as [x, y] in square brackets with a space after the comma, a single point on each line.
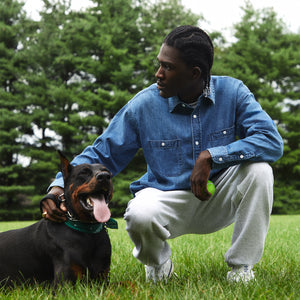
[78, 271]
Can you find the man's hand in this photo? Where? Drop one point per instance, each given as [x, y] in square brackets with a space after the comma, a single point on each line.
[200, 176]
[50, 210]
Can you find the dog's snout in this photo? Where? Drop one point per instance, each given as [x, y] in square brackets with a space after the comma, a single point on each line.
[101, 176]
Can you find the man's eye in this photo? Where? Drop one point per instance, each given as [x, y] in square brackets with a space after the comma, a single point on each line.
[166, 66]
[163, 65]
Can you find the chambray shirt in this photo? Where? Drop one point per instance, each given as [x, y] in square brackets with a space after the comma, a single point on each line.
[229, 123]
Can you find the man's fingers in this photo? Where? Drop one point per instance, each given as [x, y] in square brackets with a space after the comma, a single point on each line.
[51, 212]
[63, 207]
[201, 193]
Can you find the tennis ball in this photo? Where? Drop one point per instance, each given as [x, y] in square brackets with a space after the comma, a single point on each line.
[210, 187]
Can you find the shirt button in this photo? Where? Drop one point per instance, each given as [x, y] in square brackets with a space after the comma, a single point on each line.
[195, 116]
[196, 143]
[224, 132]
[220, 159]
[163, 144]
[241, 156]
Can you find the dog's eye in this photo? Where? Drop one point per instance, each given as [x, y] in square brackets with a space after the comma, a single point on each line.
[84, 174]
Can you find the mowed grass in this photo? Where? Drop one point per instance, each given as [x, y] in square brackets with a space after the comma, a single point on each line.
[199, 264]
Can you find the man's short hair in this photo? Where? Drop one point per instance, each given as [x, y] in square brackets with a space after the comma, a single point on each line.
[195, 47]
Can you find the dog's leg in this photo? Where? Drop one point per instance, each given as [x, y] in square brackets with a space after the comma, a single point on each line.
[68, 273]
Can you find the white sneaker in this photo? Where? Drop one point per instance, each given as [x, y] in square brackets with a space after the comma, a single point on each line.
[241, 273]
[159, 273]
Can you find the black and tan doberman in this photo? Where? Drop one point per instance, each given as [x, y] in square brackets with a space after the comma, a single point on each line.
[56, 252]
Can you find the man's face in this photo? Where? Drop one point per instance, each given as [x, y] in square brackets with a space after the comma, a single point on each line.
[174, 77]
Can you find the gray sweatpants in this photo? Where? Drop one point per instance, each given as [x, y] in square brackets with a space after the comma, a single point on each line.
[244, 195]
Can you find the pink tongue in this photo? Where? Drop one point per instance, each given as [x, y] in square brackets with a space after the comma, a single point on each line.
[101, 210]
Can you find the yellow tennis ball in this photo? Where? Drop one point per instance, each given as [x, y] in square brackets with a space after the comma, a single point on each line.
[211, 187]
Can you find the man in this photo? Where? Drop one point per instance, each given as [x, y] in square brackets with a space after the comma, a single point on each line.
[192, 127]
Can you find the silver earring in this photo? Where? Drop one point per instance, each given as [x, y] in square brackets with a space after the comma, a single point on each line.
[206, 91]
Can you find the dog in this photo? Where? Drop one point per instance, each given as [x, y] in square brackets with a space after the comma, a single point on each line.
[55, 252]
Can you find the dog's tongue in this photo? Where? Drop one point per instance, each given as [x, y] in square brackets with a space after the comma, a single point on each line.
[101, 210]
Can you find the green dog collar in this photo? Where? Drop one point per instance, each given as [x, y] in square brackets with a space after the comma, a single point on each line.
[112, 224]
[91, 227]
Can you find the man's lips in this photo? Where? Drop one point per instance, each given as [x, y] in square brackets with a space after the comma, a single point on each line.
[160, 85]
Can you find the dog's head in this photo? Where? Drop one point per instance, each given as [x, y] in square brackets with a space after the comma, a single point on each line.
[88, 190]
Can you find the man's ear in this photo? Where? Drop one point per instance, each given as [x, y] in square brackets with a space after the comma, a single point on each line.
[65, 165]
[196, 73]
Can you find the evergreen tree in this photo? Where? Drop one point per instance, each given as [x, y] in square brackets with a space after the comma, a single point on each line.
[63, 78]
[156, 21]
[266, 57]
[48, 99]
[13, 180]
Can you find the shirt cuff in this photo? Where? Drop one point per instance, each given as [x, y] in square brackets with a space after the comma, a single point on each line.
[222, 159]
[219, 157]
[59, 181]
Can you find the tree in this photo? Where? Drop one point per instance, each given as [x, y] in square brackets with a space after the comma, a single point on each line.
[266, 57]
[79, 69]
[156, 21]
[46, 96]
[64, 77]
[12, 123]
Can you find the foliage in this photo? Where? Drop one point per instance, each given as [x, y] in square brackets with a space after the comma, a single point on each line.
[64, 77]
[12, 126]
[266, 57]
[81, 68]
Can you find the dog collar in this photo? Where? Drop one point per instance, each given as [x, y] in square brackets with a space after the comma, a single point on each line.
[91, 227]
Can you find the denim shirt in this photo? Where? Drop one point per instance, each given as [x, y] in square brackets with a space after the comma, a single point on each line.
[229, 123]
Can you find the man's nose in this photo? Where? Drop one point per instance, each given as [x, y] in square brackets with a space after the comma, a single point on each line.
[159, 73]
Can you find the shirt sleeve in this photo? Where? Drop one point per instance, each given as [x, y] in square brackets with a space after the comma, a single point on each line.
[257, 138]
[115, 148]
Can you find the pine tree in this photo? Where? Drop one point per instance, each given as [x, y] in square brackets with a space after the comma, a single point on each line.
[266, 57]
[13, 181]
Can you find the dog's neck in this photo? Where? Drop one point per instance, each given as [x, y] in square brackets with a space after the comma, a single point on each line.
[70, 215]
[92, 227]
[85, 227]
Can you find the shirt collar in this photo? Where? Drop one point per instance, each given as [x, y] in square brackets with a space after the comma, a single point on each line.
[177, 106]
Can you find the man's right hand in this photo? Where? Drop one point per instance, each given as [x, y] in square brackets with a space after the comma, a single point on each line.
[49, 209]
[200, 176]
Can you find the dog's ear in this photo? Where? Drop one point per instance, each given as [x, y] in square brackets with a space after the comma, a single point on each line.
[65, 165]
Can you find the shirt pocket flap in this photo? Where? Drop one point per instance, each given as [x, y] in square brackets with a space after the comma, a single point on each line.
[222, 134]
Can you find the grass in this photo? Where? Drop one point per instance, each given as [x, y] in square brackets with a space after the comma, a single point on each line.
[199, 264]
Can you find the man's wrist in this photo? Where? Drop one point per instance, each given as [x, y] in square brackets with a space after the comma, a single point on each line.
[206, 157]
[56, 190]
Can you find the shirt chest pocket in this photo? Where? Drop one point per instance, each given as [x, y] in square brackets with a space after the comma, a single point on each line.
[221, 137]
[165, 157]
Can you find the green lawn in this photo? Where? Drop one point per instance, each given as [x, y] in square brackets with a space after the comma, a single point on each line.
[199, 264]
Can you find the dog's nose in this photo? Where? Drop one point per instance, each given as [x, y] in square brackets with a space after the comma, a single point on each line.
[101, 176]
